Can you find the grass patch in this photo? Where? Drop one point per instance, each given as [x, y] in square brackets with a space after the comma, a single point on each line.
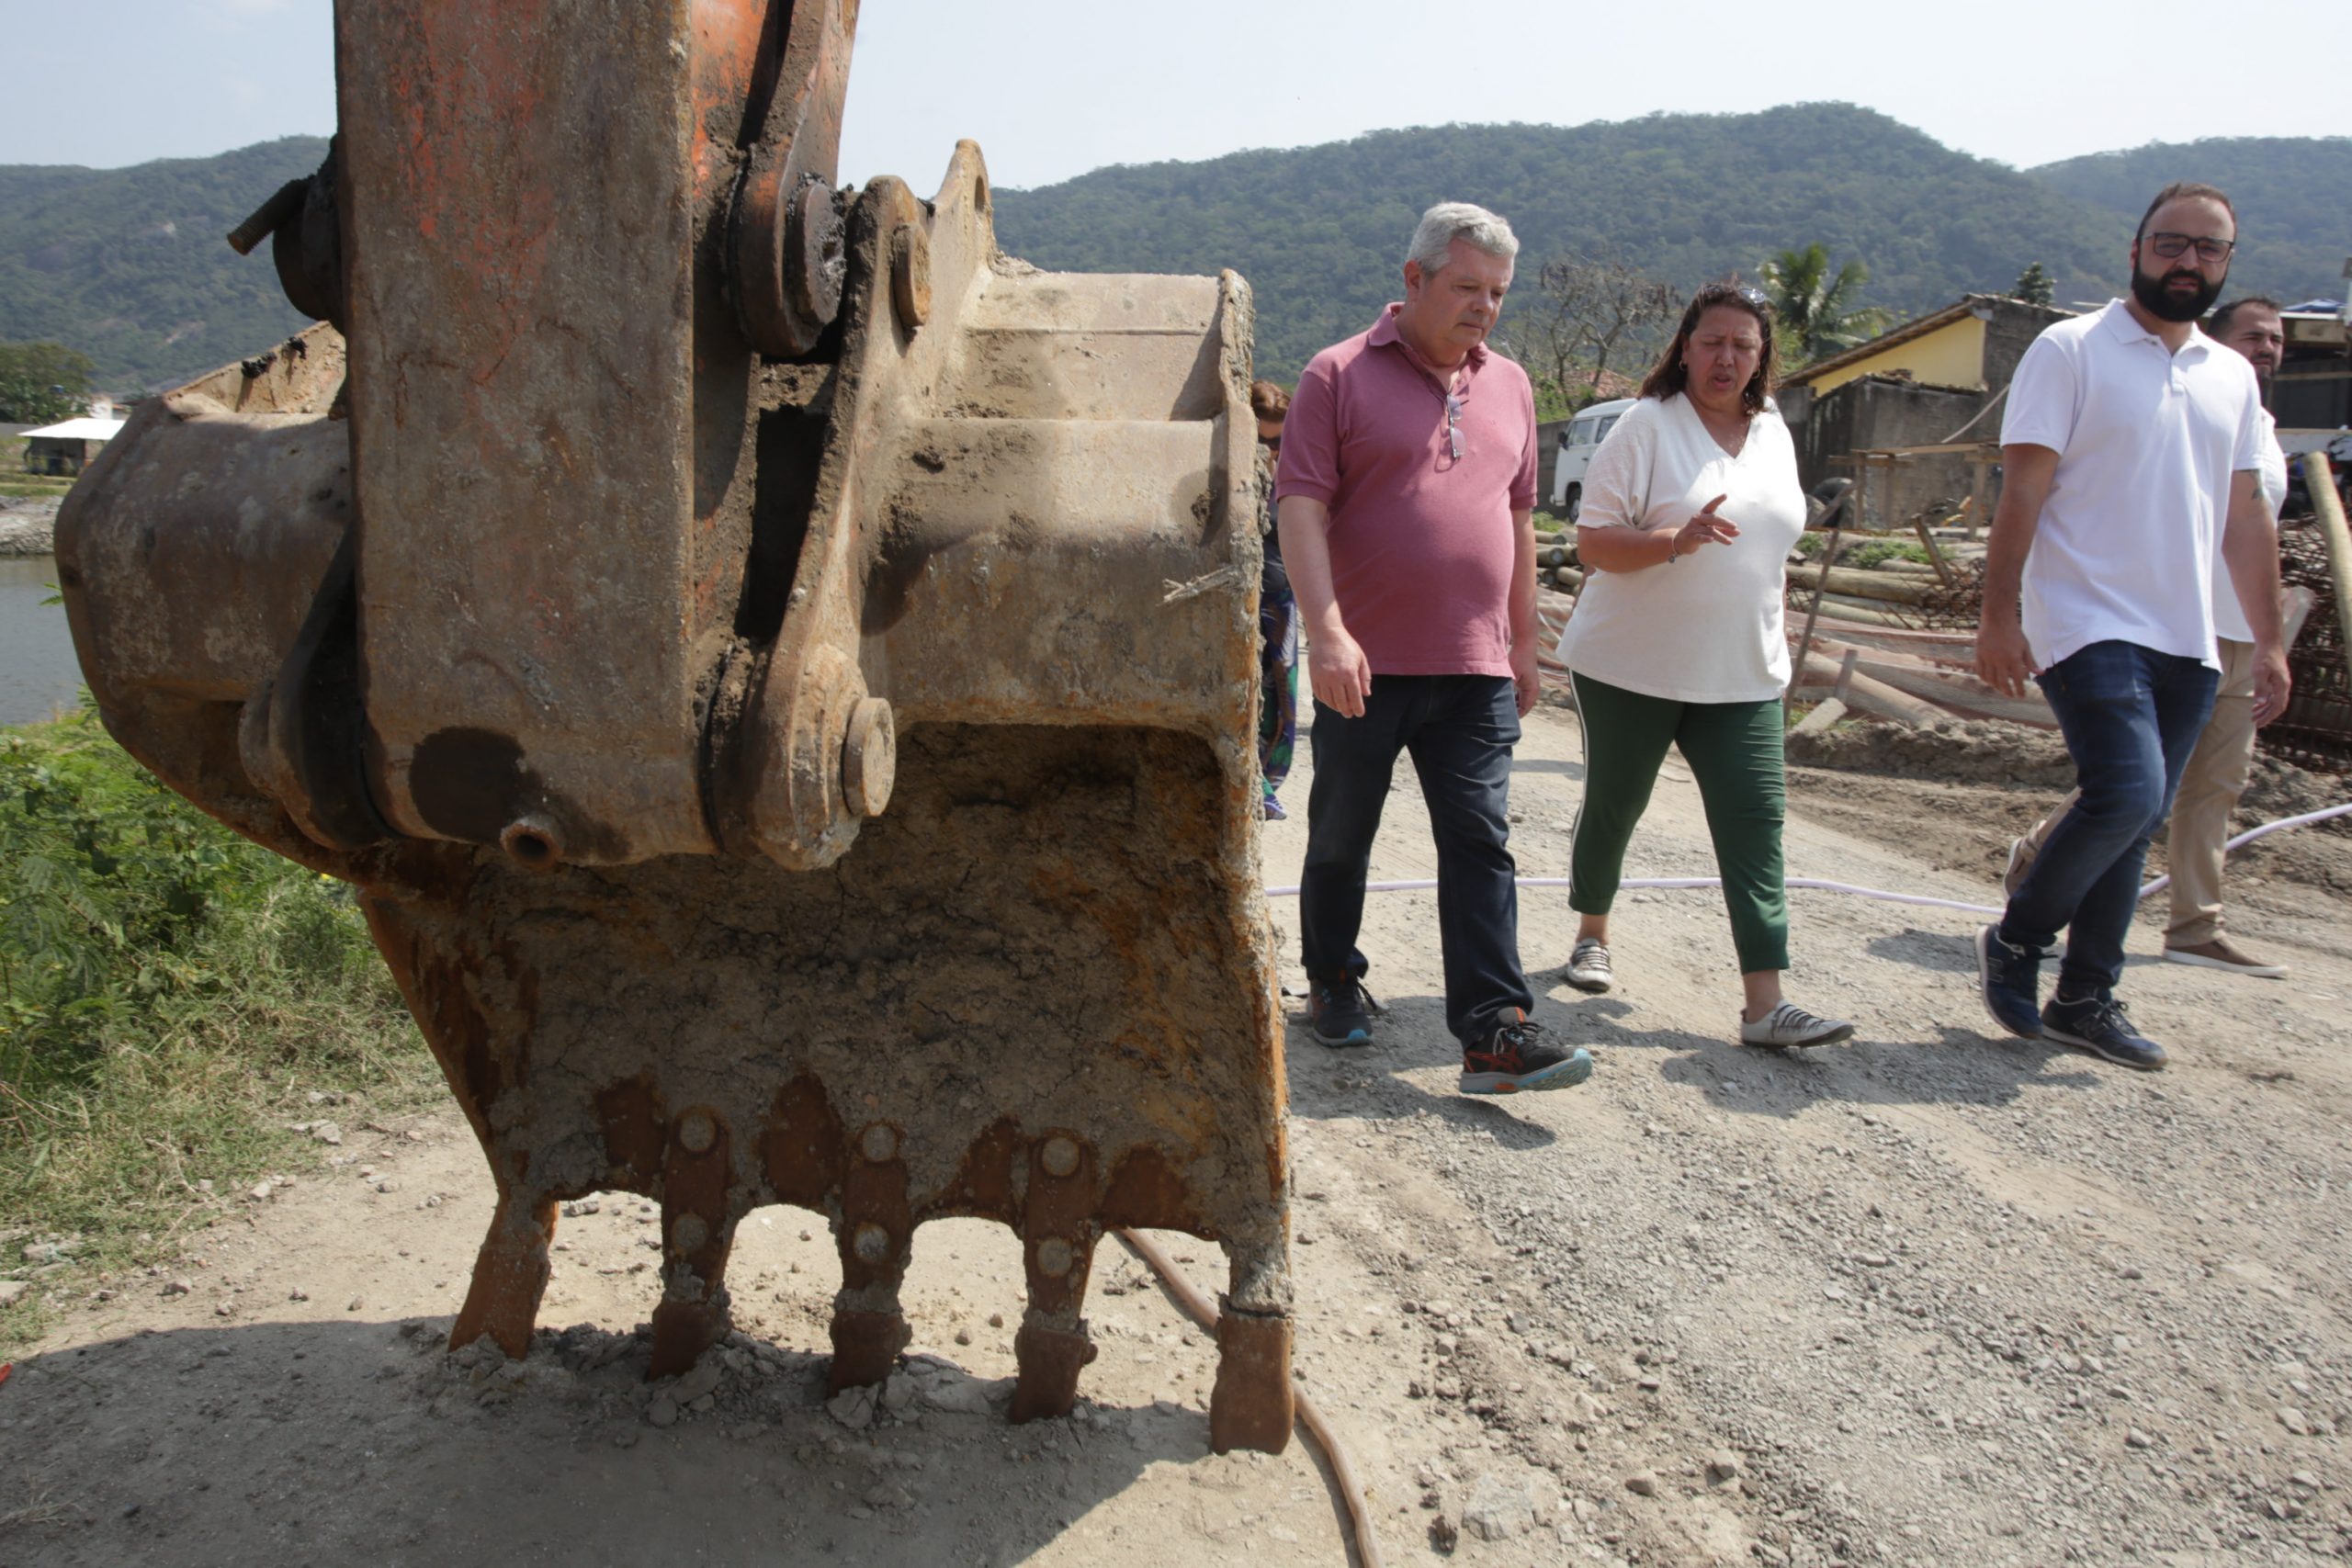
[169, 998]
[1864, 554]
[1867, 556]
[16, 481]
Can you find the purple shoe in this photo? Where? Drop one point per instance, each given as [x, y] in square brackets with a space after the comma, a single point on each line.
[1274, 812]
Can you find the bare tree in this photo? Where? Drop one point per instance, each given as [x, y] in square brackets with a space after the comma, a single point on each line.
[1593, 311]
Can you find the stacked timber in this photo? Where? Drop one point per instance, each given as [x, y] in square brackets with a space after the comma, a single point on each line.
[1925, 683]
[1556, 558]
[1888, 587]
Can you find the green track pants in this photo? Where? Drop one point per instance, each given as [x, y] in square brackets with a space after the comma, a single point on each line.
[1735, 752]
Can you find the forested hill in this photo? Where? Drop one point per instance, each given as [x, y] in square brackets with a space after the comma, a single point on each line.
[2293, 197]
[1321, 231]
[129, 265]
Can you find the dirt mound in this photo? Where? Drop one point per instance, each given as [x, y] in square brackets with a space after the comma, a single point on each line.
[1954, 819]
[1991, 751]
[2280, 789]
[1959, 751]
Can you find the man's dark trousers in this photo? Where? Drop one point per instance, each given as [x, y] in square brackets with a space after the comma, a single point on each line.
[2130, 717]
[1459, 730]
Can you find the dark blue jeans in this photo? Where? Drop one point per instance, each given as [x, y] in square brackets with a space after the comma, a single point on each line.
[2130, 717]
[1459, 730]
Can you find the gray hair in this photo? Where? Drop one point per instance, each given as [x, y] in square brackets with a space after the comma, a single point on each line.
[1450, 220]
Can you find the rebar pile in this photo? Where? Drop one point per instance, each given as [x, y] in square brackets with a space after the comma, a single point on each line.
[2316, 732]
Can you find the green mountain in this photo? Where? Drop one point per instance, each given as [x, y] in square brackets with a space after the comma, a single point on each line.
[1320, 232]
[129, 266]
[2293, 197]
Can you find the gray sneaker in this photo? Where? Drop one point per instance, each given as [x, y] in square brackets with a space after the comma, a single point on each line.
[1790, 1025]
[1588, 968]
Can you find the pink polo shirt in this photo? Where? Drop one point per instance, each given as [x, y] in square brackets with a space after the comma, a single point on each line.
[1421, 543]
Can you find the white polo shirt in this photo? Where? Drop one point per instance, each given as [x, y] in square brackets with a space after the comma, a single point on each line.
[2148, 442]
[2229, 617]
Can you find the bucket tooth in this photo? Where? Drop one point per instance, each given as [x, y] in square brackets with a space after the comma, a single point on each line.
[874, 1235]
[866, 1343]
[1253, 1406]
[510, 1276]
[1051, 1360]
[1061, 1222]
[697, 1231]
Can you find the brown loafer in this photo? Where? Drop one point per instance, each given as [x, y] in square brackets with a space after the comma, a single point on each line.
[2219, 954]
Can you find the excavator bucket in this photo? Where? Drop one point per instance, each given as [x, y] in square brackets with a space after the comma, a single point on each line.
[779, 672]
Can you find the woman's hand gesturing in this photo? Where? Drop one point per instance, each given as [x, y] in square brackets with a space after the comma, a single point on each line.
[1705, 528]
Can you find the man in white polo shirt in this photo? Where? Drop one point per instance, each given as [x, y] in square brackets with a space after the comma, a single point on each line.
[2131, 446]
[2224, 759]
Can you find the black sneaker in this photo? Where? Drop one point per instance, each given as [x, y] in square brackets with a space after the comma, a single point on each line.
[1340, 1012]
[2100, 1025]
[2011, 980]
[1512, 1056]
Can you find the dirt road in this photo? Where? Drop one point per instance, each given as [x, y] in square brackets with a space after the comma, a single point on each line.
[1930, 1297]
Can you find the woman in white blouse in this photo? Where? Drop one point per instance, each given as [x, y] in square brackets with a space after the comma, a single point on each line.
[1689, 510]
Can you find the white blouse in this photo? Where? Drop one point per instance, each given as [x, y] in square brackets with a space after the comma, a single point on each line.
[1705, 627]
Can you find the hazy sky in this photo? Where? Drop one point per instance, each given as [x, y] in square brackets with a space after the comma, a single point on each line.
[1051, 88]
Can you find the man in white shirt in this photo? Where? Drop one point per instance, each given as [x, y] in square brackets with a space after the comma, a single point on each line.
[2217, 768]
[2131, 444]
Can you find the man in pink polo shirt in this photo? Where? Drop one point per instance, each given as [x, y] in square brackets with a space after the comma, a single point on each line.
[1406, 500]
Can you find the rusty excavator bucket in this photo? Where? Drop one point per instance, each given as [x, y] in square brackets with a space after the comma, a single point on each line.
[779, 672]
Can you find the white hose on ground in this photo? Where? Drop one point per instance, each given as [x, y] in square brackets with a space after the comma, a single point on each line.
[1344, 1471]
[1290, 890]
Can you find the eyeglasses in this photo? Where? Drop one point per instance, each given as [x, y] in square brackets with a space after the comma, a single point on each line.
[2208, 251]
[1747, 294]
[1454, 426]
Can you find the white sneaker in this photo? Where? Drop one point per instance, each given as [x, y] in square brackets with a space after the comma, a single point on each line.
[1589, 967]
[1790, 1025]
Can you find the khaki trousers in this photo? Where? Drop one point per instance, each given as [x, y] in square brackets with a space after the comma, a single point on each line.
[2210, 788]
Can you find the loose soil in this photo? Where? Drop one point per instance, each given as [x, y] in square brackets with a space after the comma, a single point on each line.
[1935, 1296]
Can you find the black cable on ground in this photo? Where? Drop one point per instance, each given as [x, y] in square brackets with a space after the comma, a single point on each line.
[1203, 1312]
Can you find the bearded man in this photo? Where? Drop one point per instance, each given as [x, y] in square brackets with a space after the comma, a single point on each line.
[2132, 444]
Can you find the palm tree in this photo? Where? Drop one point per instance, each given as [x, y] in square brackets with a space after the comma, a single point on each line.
[1816, 306]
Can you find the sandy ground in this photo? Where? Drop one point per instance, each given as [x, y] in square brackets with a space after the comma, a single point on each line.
[1930, 1297]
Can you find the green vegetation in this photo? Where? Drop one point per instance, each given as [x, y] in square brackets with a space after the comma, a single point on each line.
[1864, 557]
[2280, 186]
[170, 996]
[20, 486]
[14, 481]
[1320, 232]
[129, 266]
[1862, 553]
[1816, 306]
[41, 383]
[2033, 286]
